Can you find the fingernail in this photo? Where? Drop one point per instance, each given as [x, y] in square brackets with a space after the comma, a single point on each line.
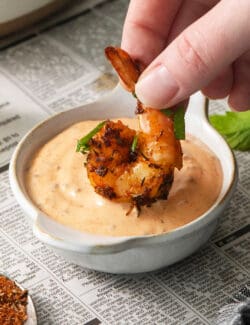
[156, 87]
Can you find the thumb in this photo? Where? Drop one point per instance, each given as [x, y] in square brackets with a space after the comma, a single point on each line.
[197, 55]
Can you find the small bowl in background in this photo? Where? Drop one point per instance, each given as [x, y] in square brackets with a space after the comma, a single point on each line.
[16, 15]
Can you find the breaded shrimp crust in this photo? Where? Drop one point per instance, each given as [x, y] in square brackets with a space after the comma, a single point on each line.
[129, 166]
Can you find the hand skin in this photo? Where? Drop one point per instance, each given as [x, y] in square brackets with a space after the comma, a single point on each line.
[190, 45]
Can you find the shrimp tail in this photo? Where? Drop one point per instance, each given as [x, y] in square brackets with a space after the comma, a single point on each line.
[124, 66]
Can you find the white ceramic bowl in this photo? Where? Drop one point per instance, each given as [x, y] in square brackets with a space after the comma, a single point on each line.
[123, 254]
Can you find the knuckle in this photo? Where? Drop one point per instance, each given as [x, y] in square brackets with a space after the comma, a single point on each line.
[192, 55]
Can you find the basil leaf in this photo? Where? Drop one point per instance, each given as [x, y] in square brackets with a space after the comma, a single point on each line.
[178, 116]
[179, 123]
[234, 127]
[168, 112]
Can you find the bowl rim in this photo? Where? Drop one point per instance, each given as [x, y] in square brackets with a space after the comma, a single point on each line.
[112, 244]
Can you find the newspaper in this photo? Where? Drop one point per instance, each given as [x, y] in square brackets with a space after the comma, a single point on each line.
[61, 68]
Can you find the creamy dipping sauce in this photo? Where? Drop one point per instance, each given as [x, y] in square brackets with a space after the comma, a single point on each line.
[56, 181]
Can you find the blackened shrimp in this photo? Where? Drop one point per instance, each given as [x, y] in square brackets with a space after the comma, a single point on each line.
[129, 166]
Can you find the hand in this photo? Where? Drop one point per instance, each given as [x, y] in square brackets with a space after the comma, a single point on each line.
[188, 45]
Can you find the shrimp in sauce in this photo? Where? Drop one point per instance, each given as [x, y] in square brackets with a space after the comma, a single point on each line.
[128, 166]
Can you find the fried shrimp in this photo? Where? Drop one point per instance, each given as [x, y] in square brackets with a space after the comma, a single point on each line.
[129, 166]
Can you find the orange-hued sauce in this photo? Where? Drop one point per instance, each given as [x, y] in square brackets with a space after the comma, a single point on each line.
[57, 183]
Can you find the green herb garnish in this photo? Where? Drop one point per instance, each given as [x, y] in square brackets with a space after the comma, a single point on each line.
[178, 116]
[168, 112]
[134, 143]
[234, 127]
[179, 123]
[134, 94]
[83, 143]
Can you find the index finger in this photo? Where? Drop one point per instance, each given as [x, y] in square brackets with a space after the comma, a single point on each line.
[147, 26]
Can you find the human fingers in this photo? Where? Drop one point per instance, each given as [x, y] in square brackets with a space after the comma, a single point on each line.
[147, 26]
[188, 13]
[221, 86]
[239, 98]
[194, 58]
